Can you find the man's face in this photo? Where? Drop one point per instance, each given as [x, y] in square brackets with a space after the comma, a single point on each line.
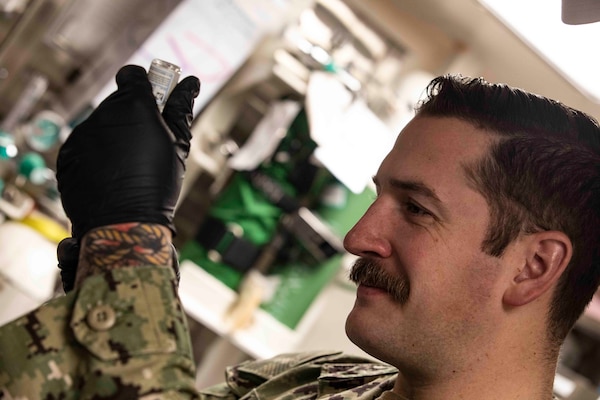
[426, 290]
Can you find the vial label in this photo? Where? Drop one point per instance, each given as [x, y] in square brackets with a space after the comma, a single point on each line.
[163, 77]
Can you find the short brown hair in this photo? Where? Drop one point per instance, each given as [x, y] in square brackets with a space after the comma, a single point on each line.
[543, 173]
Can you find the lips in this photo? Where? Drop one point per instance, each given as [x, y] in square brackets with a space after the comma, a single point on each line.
[366, 290]
[367, 283]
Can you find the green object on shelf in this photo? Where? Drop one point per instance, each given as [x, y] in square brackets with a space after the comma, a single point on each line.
[33, 166]
[249, 210]
[300, 278]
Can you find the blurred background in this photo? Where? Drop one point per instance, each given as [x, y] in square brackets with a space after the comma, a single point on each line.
[300, 101]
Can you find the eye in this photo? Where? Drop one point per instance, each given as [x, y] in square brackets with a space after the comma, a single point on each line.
[413, 208]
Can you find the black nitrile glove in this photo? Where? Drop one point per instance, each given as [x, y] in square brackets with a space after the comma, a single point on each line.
[126, 162]
[67, 253]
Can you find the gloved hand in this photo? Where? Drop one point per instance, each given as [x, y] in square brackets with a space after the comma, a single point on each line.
[126, 162]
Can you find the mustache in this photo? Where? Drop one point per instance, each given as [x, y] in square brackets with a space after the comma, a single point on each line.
[371, 273]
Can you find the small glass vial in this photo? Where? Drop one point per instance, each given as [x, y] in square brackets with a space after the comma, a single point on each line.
[163, 76]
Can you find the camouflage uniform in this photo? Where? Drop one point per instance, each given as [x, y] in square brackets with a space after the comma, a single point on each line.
[123, 335]
[322, 375]
[307, 376]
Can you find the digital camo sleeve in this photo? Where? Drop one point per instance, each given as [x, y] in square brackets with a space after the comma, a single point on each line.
[122, 335]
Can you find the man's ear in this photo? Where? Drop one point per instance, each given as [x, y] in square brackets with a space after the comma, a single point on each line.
[546, 255]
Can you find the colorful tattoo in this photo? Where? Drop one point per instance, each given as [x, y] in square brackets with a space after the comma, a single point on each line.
[123, 245]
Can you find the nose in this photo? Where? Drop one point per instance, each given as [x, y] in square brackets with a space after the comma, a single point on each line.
[367, 238]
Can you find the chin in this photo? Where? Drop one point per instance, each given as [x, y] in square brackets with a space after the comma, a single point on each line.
[368, 332]
[361, 332]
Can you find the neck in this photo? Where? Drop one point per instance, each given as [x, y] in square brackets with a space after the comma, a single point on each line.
[505, 373]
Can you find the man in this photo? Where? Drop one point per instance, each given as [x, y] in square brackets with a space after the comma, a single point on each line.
[476, 259]
[488, 253]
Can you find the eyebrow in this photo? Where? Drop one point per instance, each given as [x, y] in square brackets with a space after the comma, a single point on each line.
[418, 188]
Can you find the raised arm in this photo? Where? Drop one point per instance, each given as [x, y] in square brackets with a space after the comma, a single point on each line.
[119, 174]
[122, 333]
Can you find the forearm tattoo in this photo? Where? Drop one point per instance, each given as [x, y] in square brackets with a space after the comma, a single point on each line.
[123, 245]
